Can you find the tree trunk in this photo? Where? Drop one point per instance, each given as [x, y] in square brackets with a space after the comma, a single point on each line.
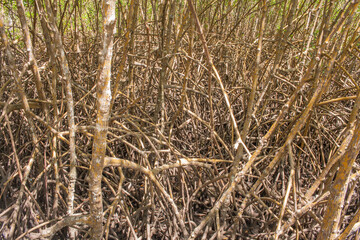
[102, 119]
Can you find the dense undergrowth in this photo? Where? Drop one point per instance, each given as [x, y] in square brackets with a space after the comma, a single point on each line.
[283, 75]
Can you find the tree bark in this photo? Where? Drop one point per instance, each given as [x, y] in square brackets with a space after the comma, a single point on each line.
[330, 226]
[102, 119]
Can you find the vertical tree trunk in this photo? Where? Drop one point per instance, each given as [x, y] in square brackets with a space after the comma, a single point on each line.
[64, 65]
[25, 102]
[103, 113]
[330, 225]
